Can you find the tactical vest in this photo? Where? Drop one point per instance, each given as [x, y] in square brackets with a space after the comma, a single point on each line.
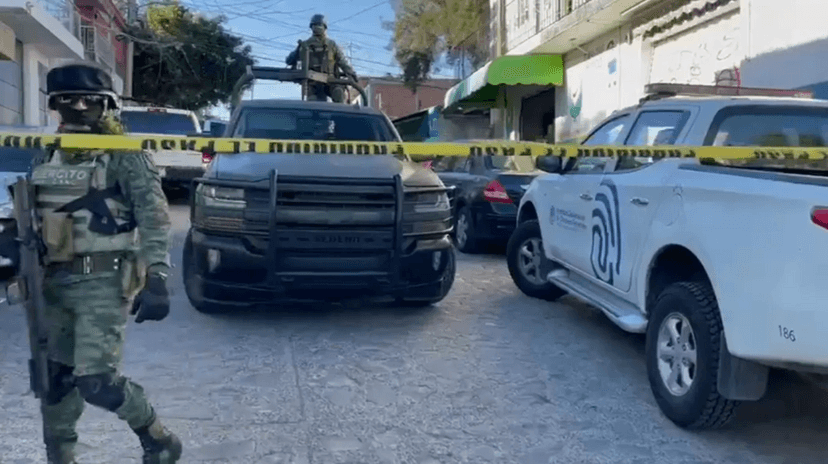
[320, 55]
[79, 214]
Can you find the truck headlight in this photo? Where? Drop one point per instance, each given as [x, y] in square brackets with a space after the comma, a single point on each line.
[218, 208]
[427, 202]
[426, 214]
[220, 197]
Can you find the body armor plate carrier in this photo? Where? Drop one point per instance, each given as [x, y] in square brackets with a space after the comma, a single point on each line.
[79, 214]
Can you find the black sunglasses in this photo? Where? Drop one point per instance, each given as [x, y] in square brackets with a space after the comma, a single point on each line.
[73, 99]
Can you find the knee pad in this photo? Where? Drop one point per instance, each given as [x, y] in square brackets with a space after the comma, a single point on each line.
[103, 390]
[61, 382]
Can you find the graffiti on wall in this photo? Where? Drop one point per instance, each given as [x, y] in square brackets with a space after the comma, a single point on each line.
[698, 59]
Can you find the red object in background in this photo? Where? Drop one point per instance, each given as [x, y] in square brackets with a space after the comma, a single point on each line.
[820, 217]
[495, 193]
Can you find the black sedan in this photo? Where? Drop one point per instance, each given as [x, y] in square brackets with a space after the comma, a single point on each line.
[488, 189]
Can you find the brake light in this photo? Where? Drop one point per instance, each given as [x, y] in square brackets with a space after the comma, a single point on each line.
[206, 157]
[495, 193]
[820, 217]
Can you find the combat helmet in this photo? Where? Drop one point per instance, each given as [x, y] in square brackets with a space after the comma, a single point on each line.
[318, 19]
[80, 78]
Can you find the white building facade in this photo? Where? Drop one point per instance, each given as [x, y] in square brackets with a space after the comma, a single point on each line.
[34, 36]
[610, 49]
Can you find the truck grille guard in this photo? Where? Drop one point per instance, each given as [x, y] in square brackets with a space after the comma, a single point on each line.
[270, 183]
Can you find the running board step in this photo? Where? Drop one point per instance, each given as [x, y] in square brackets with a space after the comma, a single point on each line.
[620, 312]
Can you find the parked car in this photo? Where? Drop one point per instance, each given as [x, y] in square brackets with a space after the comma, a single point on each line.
[720, 264]
[488, 189]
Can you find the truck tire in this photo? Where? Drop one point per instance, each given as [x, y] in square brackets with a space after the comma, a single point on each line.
[191, 287]
[688, 395]
[465, 237]
[529, 273]
[442, 288]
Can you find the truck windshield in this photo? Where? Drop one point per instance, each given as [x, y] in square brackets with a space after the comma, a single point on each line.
[299, 124]
[770, 127]
[151, 122]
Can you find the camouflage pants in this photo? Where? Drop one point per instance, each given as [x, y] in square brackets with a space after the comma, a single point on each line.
[321, 92]
[87, 318]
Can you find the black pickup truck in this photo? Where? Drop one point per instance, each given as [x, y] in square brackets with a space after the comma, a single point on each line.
[265, 227]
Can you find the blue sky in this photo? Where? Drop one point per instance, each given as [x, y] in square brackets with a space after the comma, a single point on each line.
[272, 27]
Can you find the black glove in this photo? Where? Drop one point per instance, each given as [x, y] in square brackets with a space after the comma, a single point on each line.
[153, 302]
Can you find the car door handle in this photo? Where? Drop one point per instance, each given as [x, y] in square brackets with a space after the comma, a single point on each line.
[586, 196]
[640, 201]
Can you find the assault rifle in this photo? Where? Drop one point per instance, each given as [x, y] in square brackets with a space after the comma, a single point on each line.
[27, 285]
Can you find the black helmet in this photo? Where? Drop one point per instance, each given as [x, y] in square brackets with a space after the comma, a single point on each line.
[318, 19]
[80, 78]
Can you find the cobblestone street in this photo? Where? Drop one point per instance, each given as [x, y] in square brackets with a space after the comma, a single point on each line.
[487, 376]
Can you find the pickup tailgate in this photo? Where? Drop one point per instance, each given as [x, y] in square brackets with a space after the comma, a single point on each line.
[764, 237]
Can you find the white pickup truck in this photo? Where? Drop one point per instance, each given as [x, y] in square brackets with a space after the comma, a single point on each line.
[723, 267]
[178, 167]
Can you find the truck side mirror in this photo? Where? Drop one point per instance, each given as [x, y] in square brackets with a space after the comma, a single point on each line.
[549, 163]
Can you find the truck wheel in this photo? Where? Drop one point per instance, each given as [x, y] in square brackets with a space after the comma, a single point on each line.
[193, 286]
[464, 231]
[527, 263]
[441, 288]
[682, 351]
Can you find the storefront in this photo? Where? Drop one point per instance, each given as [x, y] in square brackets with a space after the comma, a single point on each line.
[518, 93]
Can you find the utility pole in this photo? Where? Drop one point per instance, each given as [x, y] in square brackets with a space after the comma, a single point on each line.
[132, 18]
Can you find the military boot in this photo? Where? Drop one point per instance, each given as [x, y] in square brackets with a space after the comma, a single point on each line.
[60, 451]
[160, 445]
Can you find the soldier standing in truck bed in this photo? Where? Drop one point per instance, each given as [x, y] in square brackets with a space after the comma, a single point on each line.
[325, 56]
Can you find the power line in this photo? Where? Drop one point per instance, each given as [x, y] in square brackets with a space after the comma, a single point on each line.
[383, 2]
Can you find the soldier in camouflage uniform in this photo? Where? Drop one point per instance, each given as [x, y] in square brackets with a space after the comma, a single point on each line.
[106, 227]
[326, 57]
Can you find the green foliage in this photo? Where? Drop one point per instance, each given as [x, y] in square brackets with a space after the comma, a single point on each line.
[185, 60]
[425, 30]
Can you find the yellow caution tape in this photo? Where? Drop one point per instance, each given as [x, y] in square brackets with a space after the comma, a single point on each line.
[417, 151]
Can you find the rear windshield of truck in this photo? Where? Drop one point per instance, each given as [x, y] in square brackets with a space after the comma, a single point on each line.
[150, 122]
[297, 124]
[769, 126]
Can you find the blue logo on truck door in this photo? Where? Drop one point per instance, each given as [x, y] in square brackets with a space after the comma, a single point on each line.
[606, 234]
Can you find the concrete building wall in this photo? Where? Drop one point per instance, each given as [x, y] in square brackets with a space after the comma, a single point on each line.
[592, 85]
[41, 41]
[795, 58]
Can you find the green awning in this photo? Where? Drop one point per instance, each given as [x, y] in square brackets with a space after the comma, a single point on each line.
[482, 85]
